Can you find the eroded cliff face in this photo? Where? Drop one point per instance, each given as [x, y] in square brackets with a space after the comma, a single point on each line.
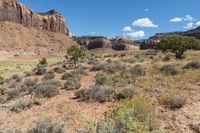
[11, 10]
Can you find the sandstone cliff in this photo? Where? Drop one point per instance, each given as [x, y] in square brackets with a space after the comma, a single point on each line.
[11, 10]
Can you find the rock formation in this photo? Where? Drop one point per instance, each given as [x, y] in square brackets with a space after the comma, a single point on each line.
[11, 10]
[94, 42]
[152, 41]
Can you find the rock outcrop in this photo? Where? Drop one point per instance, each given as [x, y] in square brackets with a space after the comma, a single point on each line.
[95, 42]
[11, 10]
[152, 41]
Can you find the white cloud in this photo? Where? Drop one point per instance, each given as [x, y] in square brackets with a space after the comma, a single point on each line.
[189, 25]
[135, 34]
[188, 18]
[127, 29]
[144, 22]
[174, 20]
[198, 23]
[93, 33]
[146, 10]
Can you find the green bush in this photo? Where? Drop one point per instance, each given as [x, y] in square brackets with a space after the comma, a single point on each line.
[43, 61]
[129, 116]
[72, 84]
[48, 125]
[75, 53]
[95, 94]
[178, 44]
[21, 105]
[192, 65]
[113, 67]
[169, 70]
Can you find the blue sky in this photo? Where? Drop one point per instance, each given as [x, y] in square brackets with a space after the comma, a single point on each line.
[138, 18]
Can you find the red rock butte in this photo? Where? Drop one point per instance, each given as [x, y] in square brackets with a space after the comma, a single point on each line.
[13, 11]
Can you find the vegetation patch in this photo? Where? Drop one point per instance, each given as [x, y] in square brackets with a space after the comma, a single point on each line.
[173, 99]
[72, 84]
[169, 70]
[192, 65]
[95, 94]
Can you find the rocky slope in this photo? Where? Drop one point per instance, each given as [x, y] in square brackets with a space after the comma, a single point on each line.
[11, 10]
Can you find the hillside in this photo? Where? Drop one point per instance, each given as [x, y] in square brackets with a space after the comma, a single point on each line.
[16, 39]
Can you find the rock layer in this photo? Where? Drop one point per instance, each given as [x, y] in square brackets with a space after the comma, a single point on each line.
[11, 10]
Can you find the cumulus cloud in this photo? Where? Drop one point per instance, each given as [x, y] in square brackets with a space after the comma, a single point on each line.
[198, 23]
[146, 10]
[189, 25]
[144, 22]
[174, 20]
[127, 29]
[188, 18]
[178, 19]
[135, 34]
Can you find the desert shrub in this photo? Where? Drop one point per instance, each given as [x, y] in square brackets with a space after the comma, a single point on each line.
[97, 67]
[100, 79]
[30, 85]
[22, 104]
[129, 116]
[92, 61]
[113, 67]
[30, 82]
[16, 77]
[2, 100]
[109, 60]
[28, 74]
[59, 70]
[138, 70]
[48, 125]
[47, 89]
[40, 71]
[96, 94]
[173, 99]
[167, 58]
[49, 75]
[126, 94]
[13, 84]
[68, 76]
[51, 82]
[192, 65]
[14, 93]
[178, 44]
[131, 60]
[72, 84]
[169, 70]
[1, 78]
[79, 71]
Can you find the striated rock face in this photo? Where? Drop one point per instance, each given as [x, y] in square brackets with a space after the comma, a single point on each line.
[11, 10]
[93, 42]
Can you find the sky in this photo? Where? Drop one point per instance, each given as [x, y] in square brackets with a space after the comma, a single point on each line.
[136, 19]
